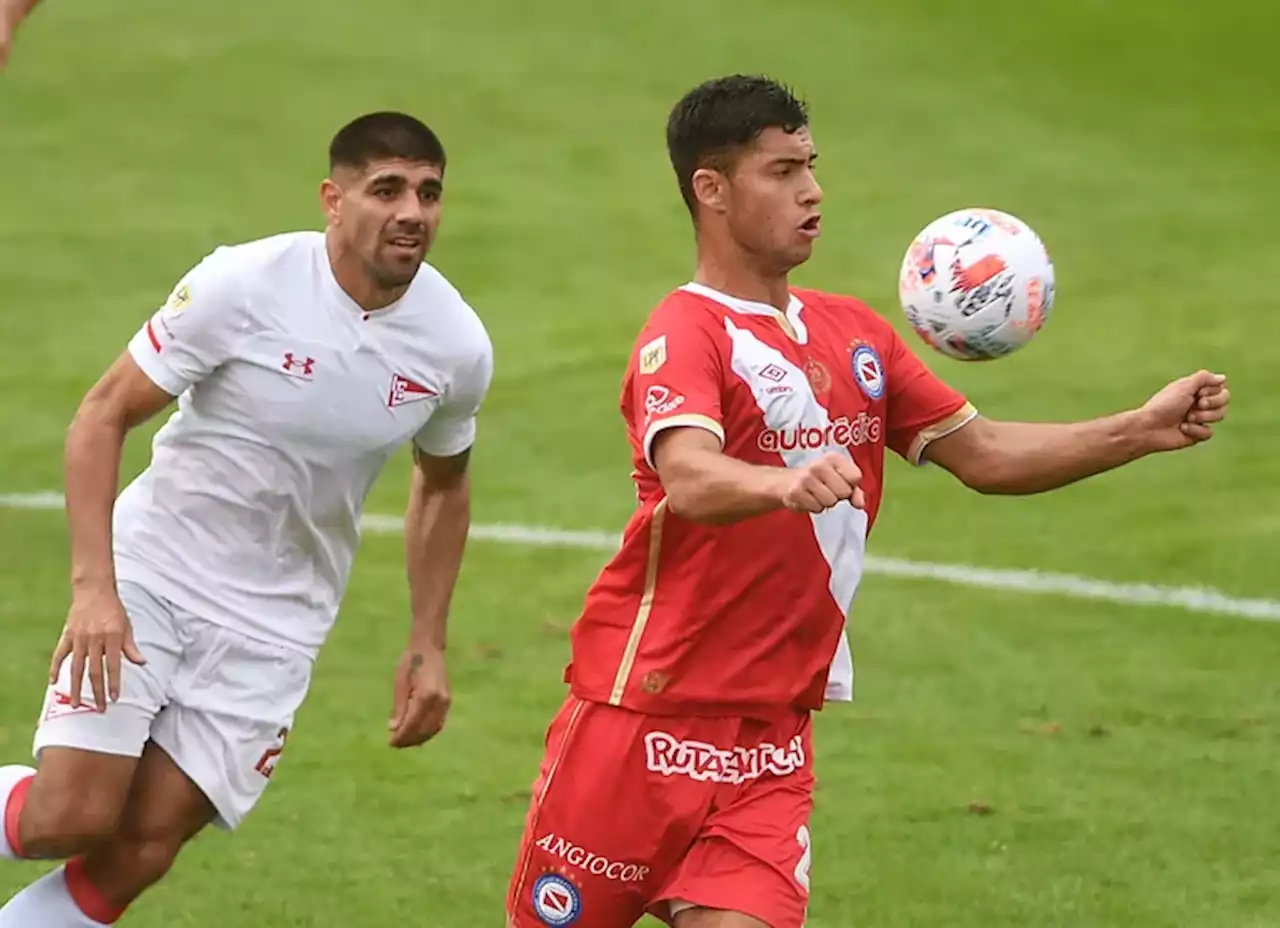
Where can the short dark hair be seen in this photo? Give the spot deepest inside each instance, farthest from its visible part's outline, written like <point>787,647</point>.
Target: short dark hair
<point>376,136</point>
<point>716,120</point>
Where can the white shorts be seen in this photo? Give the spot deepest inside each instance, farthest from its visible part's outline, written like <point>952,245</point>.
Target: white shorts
<point>220,704</point>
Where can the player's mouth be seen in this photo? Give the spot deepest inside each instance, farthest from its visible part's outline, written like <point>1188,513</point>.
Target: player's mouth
<point>407,245</point>
<point>811,228</point>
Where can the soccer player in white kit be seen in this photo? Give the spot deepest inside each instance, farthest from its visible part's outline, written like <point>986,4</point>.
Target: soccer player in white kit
<point>301,363</point>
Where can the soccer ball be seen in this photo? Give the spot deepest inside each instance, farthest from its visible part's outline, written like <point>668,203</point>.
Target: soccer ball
<point>976,284</point>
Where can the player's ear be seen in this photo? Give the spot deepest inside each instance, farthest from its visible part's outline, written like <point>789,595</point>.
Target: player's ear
<point>710,188</point>
<point>331,201</point>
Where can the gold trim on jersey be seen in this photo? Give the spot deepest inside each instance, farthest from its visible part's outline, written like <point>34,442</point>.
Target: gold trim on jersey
<point>541,798</point>
<point>646,605</point>
<point>962,416</point>
<point>686,420</point>
<point>785,322</point>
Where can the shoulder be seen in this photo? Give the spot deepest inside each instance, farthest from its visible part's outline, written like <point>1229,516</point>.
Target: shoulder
<point>680,313</point>
<point>689,308</point>
<point>264,256</point>
<point>682,327</point>
<point>235,273</point>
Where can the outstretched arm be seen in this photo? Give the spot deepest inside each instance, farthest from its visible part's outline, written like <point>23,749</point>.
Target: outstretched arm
<point>436,524</point>
<point>1021,457</point>
<point>12,13</point>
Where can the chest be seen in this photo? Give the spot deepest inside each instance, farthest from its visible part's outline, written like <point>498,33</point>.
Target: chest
<point>326,392</point>
<point>826,392</point>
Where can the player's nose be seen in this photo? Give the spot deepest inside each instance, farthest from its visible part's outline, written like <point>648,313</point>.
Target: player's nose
<point>409,214</point>
<point>410,211</point>
<point>812,194</point>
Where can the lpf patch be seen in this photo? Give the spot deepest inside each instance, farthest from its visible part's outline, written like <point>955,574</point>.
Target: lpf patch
<point>653,355</point>
<point>556,900</point>
<point>868,371</point>
<point>178,300</point>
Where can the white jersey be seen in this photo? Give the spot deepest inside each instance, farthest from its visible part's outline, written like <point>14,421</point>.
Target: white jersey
<point>291,400</point>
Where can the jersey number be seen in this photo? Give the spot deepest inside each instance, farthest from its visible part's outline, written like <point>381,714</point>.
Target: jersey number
<point>806,856</point>
<point>267,765</point>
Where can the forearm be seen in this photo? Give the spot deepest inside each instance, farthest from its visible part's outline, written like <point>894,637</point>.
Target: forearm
<point>435,534</point>
<point>92,467</point>
<point>708,486</point>
<point>15,11</point>
<point>1024,458</point>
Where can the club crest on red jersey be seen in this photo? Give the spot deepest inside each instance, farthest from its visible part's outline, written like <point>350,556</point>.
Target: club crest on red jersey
<point>556,900</point>
<point>868,371</point>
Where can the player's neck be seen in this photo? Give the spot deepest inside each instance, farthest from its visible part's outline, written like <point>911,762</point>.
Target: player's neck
<point>350,274</point>
<point>737,278</point>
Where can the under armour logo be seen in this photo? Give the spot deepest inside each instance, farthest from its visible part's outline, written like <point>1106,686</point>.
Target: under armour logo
<point>290,362</point>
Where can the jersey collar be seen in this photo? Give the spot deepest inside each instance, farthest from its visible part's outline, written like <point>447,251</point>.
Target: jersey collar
<point>790,320</point>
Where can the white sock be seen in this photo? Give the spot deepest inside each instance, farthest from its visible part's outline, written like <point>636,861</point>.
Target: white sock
<point>47,903</point>
<point>11,778</point>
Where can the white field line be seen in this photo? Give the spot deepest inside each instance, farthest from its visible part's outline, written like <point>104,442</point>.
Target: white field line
<point>1193,599</point>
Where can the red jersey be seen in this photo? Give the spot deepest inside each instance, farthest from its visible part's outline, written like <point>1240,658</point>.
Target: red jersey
<point>748,619</point>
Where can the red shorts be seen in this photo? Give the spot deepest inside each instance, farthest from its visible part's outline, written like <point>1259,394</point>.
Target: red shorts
<point>634,813</point>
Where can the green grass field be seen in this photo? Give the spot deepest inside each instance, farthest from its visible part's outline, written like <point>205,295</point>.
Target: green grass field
<point>1128,755</point>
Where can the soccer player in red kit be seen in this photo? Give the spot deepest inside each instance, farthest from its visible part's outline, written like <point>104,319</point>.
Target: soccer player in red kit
<point>678,775</point>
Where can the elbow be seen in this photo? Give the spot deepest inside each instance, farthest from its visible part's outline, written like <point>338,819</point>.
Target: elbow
<point>987,488</point>
<point>95,415</point>
<point>985,468</point>
<point>684,501</point>
<point>689,499</point>
<point>989,458</point>
<point>996,478</point>
<point>986,479</point>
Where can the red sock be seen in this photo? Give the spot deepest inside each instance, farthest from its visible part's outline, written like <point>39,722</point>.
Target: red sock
<point>88,897</point>
<point>13,811</point>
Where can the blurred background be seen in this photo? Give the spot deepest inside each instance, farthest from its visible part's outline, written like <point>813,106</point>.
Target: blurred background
<point>1013,758</point>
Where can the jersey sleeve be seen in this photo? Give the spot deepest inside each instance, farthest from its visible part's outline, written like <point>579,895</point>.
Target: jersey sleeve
<point>196,329</point>
<point>921,408</point>
<point>677,376</point>
<point>451,429</point>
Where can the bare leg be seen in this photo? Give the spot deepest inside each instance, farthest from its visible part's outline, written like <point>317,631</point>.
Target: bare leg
<point>74,802</point>
<point>715,918</point>
<point>165,809</point>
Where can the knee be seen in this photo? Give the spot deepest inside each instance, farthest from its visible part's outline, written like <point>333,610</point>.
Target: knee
<point>141,860</point>
<point>57,823</point>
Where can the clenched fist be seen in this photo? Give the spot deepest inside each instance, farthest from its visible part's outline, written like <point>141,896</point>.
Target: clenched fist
<point>1184,413</point>
<point>822,484</point>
